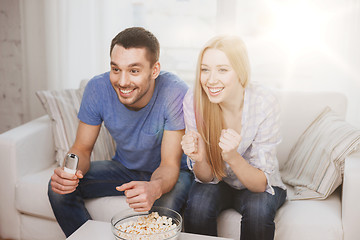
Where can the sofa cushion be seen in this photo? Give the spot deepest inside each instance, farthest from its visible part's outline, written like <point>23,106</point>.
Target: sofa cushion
<point>31,198</point>
<point>35,228</point>
<point>298,110</point>
<point>113,205</point>
<point>62,106</point>
<point>295,220</point>
<point>31,194</point>
<point>315,164</point>
<point>310,219</point>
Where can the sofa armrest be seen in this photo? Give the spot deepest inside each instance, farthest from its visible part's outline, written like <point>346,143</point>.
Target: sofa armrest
<point>29,148</point>
<point>26,149</point>
<point>351,197</point>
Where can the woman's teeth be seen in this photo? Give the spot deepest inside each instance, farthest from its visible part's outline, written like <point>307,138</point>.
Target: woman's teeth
<point>215,90</point>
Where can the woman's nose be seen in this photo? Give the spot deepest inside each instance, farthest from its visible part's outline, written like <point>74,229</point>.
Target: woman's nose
<point>212,77</point>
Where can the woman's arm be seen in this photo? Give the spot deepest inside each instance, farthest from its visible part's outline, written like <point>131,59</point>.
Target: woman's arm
<point>193,144</point>
<point>251,177</point>
<point>194,147</point>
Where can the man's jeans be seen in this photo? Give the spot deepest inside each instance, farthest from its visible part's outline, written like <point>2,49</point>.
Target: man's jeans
<point>207,201</point>
<point>101,180</point>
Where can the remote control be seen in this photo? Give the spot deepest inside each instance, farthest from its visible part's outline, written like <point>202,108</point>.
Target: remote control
<point>71,163</point>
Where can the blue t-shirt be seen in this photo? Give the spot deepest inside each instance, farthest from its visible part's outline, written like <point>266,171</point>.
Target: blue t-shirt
<point>138,134</point>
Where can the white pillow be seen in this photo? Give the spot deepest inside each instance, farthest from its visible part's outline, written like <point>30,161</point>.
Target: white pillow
<point>316,162</point>
<point>62,106</point>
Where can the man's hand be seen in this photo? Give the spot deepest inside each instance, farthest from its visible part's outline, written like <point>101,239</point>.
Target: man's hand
<point>193,146</point>
<point>229,142</point>
<point>140,195</point>
<point>63,182</point>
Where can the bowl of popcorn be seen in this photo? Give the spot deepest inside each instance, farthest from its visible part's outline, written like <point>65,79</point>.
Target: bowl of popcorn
<point>157,224</point>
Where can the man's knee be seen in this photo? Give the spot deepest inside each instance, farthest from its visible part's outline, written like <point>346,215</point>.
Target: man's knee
<point>51,194</point>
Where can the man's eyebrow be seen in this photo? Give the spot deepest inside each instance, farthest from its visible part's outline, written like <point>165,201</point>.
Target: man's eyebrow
<point>130,65</point>
<point>135,65</point>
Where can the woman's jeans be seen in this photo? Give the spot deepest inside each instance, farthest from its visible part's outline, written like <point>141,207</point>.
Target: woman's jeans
<point>100,181</point>
<point>207,201</point>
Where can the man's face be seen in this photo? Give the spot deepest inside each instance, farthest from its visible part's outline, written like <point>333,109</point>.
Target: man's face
<point>132,76</point>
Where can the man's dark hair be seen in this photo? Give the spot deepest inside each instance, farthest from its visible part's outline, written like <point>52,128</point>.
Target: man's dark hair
<point>138,37</point>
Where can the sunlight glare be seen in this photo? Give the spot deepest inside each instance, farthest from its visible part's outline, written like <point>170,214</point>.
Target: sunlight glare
<point>297,26</point>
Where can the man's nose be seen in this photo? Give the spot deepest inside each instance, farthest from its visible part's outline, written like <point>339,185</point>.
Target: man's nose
<point>124,80</point>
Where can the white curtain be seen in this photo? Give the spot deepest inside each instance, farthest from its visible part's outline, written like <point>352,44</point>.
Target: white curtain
<point>295,44</point>
<point>78,36</point>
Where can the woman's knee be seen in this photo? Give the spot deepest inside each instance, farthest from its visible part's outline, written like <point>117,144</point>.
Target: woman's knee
<point>205,201</point>
<point>259,208</point>
<point>203,195</point>
<point>204,204</point>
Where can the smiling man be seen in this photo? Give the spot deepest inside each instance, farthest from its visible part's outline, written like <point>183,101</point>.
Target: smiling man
<point>142,109</point>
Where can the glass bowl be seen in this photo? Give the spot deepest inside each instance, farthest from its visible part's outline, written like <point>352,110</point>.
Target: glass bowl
<point>125,225</point>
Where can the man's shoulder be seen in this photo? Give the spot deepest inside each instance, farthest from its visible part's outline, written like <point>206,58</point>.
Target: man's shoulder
<point>100,79</point>
<point>170,81</point>
<point>99,84</point>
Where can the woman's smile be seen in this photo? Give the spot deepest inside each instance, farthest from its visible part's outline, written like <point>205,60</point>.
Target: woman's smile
<point>214,91</point>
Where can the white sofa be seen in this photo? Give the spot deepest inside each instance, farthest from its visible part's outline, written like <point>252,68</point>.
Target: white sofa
<point>28,159</point>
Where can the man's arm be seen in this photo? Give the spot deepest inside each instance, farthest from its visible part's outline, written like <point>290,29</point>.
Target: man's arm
<point>142,195</point>
<point>166,175</point>
<point>62,182</point>
<point>84,143</point>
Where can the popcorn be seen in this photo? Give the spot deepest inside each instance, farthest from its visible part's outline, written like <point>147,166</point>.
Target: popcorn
<point>151,227</point>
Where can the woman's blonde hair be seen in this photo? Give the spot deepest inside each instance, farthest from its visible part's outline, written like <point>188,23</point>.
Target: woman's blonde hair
<point>208,115</point>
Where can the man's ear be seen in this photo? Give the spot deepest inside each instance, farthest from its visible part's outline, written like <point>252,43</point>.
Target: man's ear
<point>155,70</point>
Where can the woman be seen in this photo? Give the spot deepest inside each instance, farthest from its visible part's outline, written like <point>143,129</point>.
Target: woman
<point>232,130</point>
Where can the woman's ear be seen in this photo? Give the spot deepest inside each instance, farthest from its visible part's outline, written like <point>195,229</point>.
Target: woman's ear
<point>155,70</point>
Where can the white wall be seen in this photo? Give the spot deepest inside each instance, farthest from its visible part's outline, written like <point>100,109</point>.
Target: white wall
<point>35,69</point>
<point>11,68</point>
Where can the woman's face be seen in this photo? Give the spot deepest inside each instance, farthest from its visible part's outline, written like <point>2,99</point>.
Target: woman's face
<point>217,77</point>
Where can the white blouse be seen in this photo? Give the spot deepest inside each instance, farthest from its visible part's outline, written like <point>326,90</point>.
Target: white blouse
<point>260,134</point>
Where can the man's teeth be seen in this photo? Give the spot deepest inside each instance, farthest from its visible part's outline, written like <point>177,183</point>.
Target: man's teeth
<point>215,90</point>
<point>125,91</point>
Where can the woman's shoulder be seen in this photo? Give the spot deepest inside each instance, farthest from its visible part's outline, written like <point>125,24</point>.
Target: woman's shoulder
<point>263,97</point>
<point>261,92</point>
<point>189,95</point>
<point>188,102</point>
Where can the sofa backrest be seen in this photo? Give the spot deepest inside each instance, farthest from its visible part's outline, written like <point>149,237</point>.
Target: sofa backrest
<point>299,110</point>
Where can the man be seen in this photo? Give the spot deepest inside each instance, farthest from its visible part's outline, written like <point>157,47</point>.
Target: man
<point>142,109</point>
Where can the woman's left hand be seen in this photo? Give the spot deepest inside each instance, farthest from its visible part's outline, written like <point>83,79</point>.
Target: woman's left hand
<point>229,142</point>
